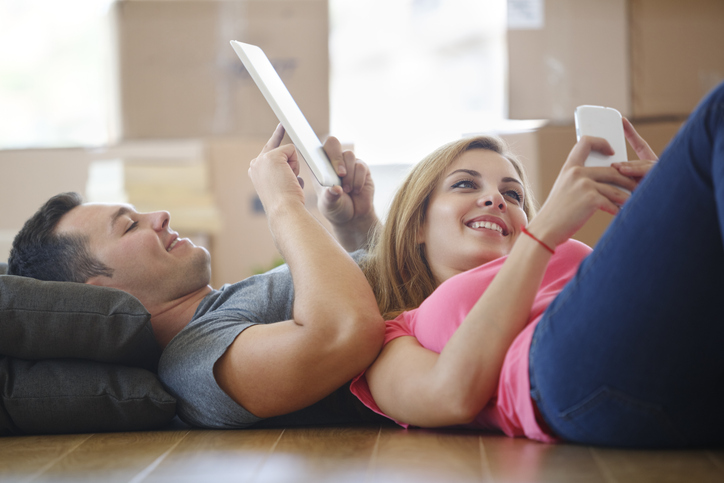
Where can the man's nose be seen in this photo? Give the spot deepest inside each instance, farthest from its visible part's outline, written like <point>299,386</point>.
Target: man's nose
<point>160,220</point>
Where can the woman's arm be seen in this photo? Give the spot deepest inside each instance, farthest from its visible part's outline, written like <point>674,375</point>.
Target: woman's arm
<point>418,386</point>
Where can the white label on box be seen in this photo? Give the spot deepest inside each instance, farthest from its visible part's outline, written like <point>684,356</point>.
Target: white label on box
<point>526,14</point>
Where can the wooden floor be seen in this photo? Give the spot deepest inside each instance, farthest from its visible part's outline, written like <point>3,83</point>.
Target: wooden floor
<point>353,454</point>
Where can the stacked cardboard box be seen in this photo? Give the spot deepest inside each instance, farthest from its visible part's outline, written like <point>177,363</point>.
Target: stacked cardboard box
<point>30,177</point>
<point>653,60</point>
<point>646,58</point>
<point>179,79</point>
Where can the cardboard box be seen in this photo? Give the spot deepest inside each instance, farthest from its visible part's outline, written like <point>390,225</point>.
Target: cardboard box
<point>30,177</point>
<point>178,76</point>
<point>543,152</point>
<point>676,54</point>
<point>244,246</point>
<point>577,54</point>
<point>156,176</point>
<point>646,58</point>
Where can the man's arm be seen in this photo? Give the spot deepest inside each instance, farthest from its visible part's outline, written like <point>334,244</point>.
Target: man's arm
<point>337,329</point>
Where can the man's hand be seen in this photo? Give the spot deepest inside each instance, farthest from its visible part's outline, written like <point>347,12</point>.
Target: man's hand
<point>275,173</point>
<point>349,208</point>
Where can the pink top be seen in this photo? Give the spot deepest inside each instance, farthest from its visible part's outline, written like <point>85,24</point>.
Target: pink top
<point>437,318</point>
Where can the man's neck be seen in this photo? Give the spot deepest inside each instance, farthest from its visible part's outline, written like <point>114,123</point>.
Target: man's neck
<point>168,320</point>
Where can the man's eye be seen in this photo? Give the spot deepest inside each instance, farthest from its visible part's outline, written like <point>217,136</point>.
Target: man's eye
<point>133,225</point>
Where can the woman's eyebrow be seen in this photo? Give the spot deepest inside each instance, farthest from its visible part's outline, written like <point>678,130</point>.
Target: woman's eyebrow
<point>476,174</point>
<point>471,172</point>
<point>511,180</point>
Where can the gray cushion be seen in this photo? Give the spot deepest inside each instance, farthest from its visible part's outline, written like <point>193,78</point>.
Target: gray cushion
<point>73,396</point>
<point>76,358</point>
<point>51,320</point>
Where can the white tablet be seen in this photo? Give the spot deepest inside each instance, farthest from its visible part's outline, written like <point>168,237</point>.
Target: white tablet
<point>287,111</point>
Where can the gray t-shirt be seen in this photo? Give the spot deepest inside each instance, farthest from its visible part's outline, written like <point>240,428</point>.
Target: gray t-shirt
<point>187,364</point>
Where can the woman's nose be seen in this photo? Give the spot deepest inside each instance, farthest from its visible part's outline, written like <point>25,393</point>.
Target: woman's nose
<point>492,199</point>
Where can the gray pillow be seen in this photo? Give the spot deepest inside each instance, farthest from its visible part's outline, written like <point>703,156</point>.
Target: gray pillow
<point>57,320</point>
<point>74,396</point>
<point>76,358</point>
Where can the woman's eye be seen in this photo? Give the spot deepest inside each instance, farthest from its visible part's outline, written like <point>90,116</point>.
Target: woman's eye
<point>466,183</point>
<point>514,195</point>
<point>133,225</point>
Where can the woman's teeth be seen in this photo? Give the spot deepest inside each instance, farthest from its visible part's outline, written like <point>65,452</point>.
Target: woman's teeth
<point>487,224</point>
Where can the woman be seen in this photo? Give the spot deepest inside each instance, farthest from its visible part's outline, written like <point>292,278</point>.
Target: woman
<point>628,353</point>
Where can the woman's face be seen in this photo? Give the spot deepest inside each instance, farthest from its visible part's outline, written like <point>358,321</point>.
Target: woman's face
<point>475,214</point>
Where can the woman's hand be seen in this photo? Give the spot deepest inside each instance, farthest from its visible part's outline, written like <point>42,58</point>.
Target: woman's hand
<point>275,172</point>
<point>636,170</point>
<point>579,192</point>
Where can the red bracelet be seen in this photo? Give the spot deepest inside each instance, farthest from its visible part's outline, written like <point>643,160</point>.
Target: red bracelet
<point>536,239</point>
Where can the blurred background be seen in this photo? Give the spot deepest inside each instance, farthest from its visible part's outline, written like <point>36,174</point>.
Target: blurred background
<point>144,101</point>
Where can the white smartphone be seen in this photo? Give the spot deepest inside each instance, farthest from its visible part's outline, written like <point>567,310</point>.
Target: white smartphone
<point>287,111</point>
<point>602,122</point>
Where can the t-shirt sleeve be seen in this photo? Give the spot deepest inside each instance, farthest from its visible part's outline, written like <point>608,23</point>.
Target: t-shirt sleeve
<point>187,363</point>
<point>393,329</point>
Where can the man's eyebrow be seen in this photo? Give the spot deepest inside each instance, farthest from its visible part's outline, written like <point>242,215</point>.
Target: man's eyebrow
<point>118,214</point>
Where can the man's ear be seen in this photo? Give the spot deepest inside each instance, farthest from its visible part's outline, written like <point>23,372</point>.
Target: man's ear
<point>100,281</point>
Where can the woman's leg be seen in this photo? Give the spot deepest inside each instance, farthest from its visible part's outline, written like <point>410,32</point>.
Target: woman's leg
<point>631,353</point>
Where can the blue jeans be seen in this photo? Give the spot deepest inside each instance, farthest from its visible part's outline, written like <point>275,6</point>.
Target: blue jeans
<point>631,352</point>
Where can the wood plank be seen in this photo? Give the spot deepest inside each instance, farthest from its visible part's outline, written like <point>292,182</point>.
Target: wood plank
<point>112,457</point>
<point>523,460</point>
<point>333,454</point>
<point>23,458</point>
<point>641,466</point>
<point>717,457</point>
<point>218,456</point>
<point>427,456</point>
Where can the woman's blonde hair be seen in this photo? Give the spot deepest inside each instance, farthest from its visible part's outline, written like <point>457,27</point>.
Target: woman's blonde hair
<point>397,268</point>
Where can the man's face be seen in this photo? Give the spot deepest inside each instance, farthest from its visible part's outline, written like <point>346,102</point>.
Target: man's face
<point>148,259</point>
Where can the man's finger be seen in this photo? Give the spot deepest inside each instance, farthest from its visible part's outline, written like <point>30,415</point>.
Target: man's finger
<point>275,140</point>
<point>333,148</point>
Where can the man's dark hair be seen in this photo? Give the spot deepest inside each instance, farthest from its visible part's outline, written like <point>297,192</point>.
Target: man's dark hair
<point>40,253</point>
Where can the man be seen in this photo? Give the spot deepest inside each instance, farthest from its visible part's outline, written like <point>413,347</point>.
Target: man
<point>256,349</point>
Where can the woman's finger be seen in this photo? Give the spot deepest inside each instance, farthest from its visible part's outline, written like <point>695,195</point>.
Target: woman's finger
<point>639,145</point>
<point>583,148</point>
<point>635,169</point>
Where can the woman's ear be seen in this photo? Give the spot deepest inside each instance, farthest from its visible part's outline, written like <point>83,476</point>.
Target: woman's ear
<point>420,237</point>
